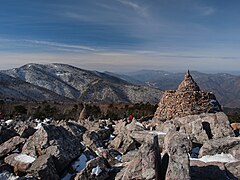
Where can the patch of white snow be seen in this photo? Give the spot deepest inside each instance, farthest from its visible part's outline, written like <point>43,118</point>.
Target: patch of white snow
<point>5,175</point>
<point>38,126</point>
<point>24,158</point>
<point>8,122</point>
<point>118,157</point>
<point>80,163</point>
<point>97,170</point>
<point>225,158</point>
<point>157,133</point>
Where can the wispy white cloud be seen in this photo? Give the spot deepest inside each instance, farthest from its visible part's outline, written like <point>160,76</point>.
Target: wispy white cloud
<point>138,8</point>
<point>206,11</point>
<point>61,45</point>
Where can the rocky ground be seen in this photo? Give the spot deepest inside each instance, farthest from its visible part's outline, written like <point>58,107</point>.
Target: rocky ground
<point>107,149</point>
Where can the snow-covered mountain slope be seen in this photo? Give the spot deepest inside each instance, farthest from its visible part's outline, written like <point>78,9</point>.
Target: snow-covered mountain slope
<point>16,89</point>
<point>79,84</point>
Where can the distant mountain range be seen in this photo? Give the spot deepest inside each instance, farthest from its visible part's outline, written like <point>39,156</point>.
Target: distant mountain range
<point>61,82</point>
<point>226,87</point>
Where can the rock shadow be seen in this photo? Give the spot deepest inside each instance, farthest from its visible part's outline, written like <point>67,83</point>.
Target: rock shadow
<point>236,132</point>
<point>164,166</point>
<point>207,128</point>
<point>210,172</point>
<point>195,150</point>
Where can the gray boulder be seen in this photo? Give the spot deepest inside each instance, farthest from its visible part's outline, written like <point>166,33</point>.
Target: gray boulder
<point>123,143</point>
<point>203,127</point>
<point>73,127</point>
<point>222,145</point>
<point>142,164</point>
<point>10,145</point>
<point>43,168</point>
<point>55,141</point>
<point>20,162</point>
<point>177,146</point>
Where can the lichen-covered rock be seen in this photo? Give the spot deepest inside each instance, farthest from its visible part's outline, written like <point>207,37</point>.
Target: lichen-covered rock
<point>188,99</point>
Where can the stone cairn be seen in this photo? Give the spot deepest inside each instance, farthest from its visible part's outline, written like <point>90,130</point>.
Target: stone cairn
<point>188,99</point>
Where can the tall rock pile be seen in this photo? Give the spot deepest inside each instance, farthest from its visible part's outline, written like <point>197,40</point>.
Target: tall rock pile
<point>188,99</point>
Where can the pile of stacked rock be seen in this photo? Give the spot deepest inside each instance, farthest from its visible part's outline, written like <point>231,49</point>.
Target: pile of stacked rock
<point>188,99</point>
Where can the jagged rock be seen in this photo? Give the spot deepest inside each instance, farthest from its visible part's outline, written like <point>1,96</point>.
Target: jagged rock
<point>141,166</point>
<point>104,134</point>
<point>55,141</point>
<point>97,168</point>
<point>43,168</point>
<point>92,140</point>
<point>90,125</point>
<point>25,131</point>
<point>212,170</point>
<point>73,127</point>
<point>168,126</point>
<point>135,126</point>
<point>10,145</point>
<point>6,134</point>
<point>120,126</point>
<point>177,146</point>
<point>20,162</point>
<point>111,155</point>
<point>123,143</point>
<point>129,156</point>
<point>147,136</point>
<point>233,170</point>
<point>188,99</point>
<point>227,145</point>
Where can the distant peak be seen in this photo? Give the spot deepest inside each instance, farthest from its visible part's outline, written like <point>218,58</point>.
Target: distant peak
<point>188,83</point>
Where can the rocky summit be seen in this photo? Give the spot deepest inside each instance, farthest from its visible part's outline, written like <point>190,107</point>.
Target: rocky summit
<point>195,142</point>
<point>188,99</point>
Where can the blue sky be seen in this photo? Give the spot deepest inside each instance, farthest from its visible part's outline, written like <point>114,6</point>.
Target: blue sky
<point>122,35</point>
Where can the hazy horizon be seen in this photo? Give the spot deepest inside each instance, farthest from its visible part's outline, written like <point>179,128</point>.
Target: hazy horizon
<point>133,71</point>
<point>122,35</point>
